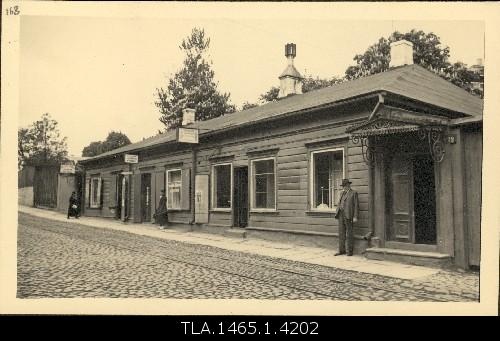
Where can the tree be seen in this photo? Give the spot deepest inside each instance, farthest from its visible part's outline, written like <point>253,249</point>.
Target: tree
<point>41,143</point>
<point>427,52</point>
<point>192,86</point>
<point>113,140</point>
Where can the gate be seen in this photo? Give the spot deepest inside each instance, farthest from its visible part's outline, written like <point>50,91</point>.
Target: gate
<point>45,186</point>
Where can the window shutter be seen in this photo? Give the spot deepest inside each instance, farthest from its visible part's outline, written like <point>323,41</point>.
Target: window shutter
<point>99,193</point>
<point>137,198</point>
<point>186,189</point>
<point>87,192</point>
<point>112,191</point>
<point>159,185</point>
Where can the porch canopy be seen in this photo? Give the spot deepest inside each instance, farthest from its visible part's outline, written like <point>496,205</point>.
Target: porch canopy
<point>390,121</point>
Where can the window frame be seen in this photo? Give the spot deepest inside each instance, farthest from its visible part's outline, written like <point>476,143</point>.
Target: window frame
<point>167,189</point>
<point>252,186</point>
<point>213,189</point>
<point>97,203</point>
<point>312,192</point>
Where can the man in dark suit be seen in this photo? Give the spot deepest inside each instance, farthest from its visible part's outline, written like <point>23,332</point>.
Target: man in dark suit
<point>347,214</point>
<point>161,214</point>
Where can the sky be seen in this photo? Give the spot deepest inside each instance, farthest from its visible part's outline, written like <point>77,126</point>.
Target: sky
<point>97,74</point>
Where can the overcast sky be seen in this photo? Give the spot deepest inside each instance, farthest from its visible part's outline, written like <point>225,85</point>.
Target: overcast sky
<point>94,75</point>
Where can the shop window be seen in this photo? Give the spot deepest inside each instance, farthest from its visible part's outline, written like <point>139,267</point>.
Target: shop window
<point>327,169</point>
<point>174,186</point>
<point>95,192</point>
<point>263,184</point>
<point>221,186</point>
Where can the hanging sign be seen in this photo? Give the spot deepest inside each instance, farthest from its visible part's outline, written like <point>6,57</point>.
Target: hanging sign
<point>131,158</point>
<point>67,168</point>
<point>187,135</point>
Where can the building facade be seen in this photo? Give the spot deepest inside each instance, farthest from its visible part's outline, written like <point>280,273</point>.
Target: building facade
<point>410,142</point>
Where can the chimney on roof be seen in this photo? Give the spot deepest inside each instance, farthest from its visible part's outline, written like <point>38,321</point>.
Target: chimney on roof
<point>188,116</point>
<point>401,53</point>
<point>290,79</point>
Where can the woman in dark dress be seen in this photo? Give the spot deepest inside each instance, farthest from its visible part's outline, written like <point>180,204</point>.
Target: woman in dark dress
<point>73,209</point>
<point>161,214</point>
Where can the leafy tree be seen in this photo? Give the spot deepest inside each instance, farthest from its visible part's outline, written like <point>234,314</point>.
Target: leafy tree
<point>113,141</point>
<point>192,86</point>
<point>427,52</point>
<point>311,83</point>
<point>248,105</point>
<point>41,143</point>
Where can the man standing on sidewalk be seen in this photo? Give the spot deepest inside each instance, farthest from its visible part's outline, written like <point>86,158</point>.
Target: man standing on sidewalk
<point>347,214</point>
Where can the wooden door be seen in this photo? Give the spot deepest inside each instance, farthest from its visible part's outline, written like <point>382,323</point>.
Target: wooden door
<point>146,197</point>
<point>201,199</point>
<point>240,200</point>
<point>401,197</point>
<point>45,186</point>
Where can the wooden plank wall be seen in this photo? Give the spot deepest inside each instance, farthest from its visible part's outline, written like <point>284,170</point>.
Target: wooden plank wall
<point>292,139</point>
<point>473,171</point>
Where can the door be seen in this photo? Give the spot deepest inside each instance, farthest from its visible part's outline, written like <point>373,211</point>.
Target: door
<point>45,186</point>
<point>240,199</point>
<point>146,197</point>
<point>201,199</point>
<point>401,227</point>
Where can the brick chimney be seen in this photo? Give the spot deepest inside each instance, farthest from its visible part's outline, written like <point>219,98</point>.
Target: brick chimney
<point>188,116</point>
<point>401,53</point>
<point>290,79</point>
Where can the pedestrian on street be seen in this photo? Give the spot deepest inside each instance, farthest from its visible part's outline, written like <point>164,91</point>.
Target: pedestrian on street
<point>161,213</point>
<point>347,214</point>
<point>74,206</point>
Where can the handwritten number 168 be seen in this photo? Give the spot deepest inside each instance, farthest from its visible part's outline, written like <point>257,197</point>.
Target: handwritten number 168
<point>12,10</point>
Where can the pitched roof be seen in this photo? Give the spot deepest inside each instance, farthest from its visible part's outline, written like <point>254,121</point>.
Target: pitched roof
<point>410,81</point>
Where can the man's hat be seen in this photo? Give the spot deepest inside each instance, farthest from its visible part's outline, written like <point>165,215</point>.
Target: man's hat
<point>345,182</point>
<point>162,191</point>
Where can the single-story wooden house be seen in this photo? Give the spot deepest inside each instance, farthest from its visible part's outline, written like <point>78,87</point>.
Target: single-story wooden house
<point>410,141</point>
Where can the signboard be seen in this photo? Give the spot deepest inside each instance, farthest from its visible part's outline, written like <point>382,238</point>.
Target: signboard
<point>67,168</point>
<point>131,158</point>
<point>126,173</point>
<point>187,135</point>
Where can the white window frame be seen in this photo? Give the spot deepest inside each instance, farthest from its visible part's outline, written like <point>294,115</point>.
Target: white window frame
<point>168,190</point>
<point>252,187</point>
<point>213,189</point>
<point>311,178</point>
<point>95,203</point>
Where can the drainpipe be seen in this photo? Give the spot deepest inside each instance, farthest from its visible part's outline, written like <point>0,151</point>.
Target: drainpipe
<point>371,174</point>
<point>193,179</point>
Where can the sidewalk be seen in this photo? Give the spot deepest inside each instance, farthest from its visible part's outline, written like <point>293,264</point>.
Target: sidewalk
<point>312,255</point>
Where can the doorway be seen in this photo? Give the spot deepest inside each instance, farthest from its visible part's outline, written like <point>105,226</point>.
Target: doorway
<point>412,199</point>
<point>146,197</point>
<point>240,200</point>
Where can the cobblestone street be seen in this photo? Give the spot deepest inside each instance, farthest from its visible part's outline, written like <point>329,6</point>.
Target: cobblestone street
<point>65,259</point>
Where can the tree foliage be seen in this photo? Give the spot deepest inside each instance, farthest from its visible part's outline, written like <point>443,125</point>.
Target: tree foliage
<point>113,140</point>
<point>41,143</point>
<point>193,85</point>
<point>427,52</point>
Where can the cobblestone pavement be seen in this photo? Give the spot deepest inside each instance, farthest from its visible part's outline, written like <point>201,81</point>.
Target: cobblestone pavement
<point>65,259</point>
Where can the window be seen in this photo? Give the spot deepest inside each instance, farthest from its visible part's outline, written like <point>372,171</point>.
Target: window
<point>221,186</point>
<point>95,192</point>
<point>327,170</point>
<point>174,185</point>
<point>263,184</point>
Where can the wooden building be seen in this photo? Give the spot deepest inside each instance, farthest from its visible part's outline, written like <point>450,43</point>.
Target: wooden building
<point>410,142</point>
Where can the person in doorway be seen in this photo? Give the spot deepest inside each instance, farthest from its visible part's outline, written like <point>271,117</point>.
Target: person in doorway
<point>347,215</point>
<point>161,213</point>
<point>74,208</point>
